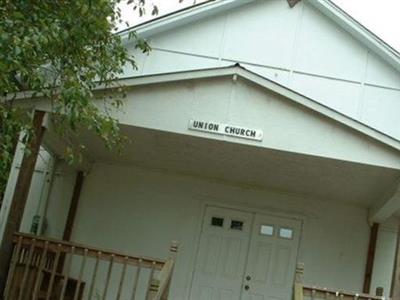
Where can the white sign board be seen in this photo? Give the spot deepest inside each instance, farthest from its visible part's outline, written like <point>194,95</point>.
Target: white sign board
<point>226,129</point>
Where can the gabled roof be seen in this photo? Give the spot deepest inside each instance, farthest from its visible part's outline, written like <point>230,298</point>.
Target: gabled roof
<point>241,72</point>
<point>212,7</point>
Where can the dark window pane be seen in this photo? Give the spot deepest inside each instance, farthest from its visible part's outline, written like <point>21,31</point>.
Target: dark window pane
<point>236,225</point>
<point>215,221</point>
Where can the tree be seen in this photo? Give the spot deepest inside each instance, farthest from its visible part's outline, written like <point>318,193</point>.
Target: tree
<point>60,50</point>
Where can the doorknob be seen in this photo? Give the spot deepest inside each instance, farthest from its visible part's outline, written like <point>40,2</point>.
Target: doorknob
<point>246,287</point>
<point>248,278</point>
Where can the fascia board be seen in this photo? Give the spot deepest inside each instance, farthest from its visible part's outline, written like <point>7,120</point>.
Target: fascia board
<point>181,18</point>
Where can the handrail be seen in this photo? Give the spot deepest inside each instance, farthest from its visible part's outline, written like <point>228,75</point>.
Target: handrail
<point>45,268</point>
<point>315,292</point>
<point>92,251</point>
<point>320,292</point>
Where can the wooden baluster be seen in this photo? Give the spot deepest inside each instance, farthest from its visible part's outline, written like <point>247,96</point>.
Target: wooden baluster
<point>26,270</point>
<point>327,294</point>
<point>40,270</point>
<point>53,272</point>
<point>151,289</point>
<point>22,256</point>
<point>96,266</point>
<point>313,293</point>
<point>66,273</point>
<point>49,260</point>
<point>136,281</point>
<point>110,266</point>
<point>14,261</point>
<point>298,282</point>
<point>122,279</point>
<point>78,284</point>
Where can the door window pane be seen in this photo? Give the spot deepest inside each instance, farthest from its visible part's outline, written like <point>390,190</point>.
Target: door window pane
<point>217,221</point>
<point>236,225</point>
<point>286,233</point>
<point>267,230</point>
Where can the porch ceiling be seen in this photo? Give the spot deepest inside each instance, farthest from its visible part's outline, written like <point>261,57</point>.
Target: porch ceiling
<point>318,177</point>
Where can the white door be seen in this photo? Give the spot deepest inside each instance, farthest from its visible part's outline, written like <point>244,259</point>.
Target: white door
<point>222,255</point>
<point>245,256</point>
<point>272,259</point>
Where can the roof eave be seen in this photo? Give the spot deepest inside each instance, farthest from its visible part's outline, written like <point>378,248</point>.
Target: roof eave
<point>182,17</point>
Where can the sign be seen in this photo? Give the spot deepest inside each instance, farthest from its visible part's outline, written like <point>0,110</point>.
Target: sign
<point>226,129</point>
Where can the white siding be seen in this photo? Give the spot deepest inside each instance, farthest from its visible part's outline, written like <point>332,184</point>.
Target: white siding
<point>299,47</point>
<point>384,256</point>
<point>37,197</point>
<point>262,33</point>
<point>324,48</point>
<point>165,61</point>
<point>49,195</point>
<point>59,200</point>
<point>140,211</point>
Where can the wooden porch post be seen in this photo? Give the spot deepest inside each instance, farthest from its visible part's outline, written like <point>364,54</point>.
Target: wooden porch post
<point>395,289</point>
<point>71,214</point>
<point>371,258</point>
<point>73,206</point>
<point>20,195</point>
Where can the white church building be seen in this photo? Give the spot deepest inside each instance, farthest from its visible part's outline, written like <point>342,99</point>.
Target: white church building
<point>265,135</point>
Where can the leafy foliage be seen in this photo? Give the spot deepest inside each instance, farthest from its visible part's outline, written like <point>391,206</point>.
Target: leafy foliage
<point>61,51</point>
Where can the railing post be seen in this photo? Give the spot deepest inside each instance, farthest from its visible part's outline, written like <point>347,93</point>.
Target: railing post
<point>298,282</point>
<point>159,287</point>
<point>173,250</point>
<point>379,291</point>
<point>173,253</point>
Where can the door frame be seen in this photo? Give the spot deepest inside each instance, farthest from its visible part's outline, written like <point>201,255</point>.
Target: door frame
<point>249,209</point>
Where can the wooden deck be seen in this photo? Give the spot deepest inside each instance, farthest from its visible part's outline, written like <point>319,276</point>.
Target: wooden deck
<point>50,269</point>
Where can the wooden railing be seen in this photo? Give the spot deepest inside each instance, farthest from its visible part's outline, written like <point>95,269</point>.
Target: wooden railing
<point>302,291</point>
<point>49,269</point>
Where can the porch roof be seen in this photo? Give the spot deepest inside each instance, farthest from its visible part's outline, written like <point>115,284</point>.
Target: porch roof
<point>308,149</point>
<point>240,71</point>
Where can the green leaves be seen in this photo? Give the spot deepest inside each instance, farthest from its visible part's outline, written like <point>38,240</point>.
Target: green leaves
<point>12,122</point>
<point>62,50</point>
